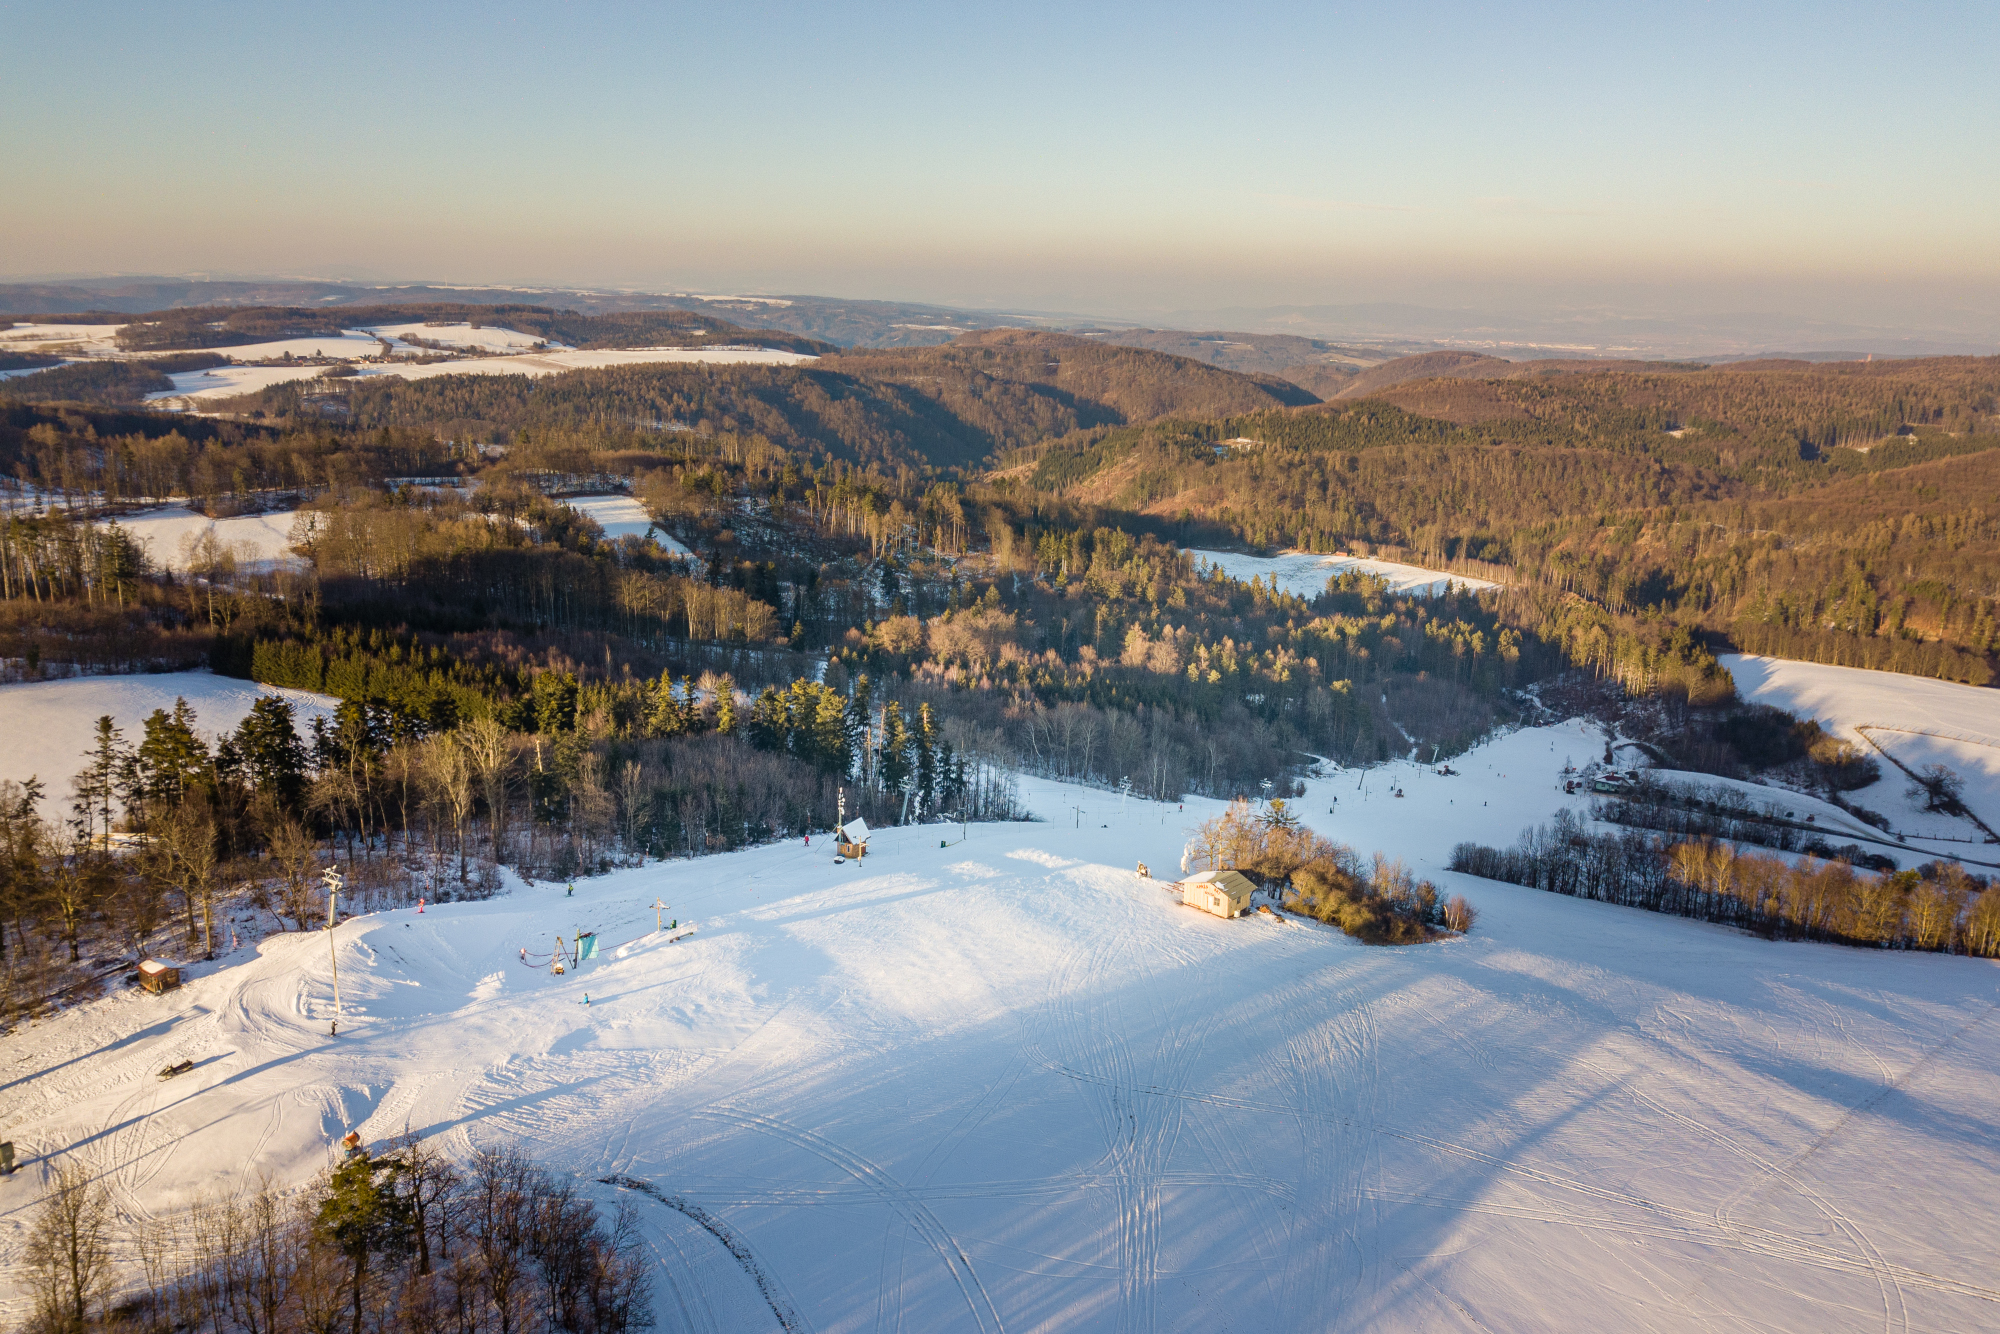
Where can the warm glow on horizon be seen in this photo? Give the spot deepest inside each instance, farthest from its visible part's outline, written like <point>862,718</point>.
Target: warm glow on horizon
<point>1689,157</point>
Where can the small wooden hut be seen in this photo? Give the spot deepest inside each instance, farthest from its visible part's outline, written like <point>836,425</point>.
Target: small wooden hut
<point>1224,893</point>
<point>158,976</point>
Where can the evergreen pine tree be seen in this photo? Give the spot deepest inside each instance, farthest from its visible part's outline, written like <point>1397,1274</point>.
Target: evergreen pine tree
<point>859,713</point>
<point>725,707</point>
<point>925,741</point>
<point>834,750</point>
<point>364,1215</point>
<point>555,696</point>
<point>766,729</point>
<point>893,761</point>
<point>664,716</point>
<point>172,758</point>
<point>270,750</point>
<point>100,782</point>
<point>801,713</point>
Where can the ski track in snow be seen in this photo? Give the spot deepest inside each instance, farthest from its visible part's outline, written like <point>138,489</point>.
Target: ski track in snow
<point>1007,1085</point>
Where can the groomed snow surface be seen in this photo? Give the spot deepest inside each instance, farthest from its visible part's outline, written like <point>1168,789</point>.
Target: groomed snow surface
<point>1007,1085</point>
<point>48,725</point>
<point>1917,720</point>
<point>1305,573</point>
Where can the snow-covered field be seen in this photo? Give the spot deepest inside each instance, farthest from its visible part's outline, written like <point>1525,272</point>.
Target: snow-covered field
<point>224,381</point>
<point>1306,573</point>
<point>1897,712</point>
<point>70,339</point>
<point>1848,697</point>
<point>1836,823</point>
<point>48,724</point>
<point>1007,1086</point>
<point>259,541</point>
<point>346,343</point>
<point>459,336</point>
<point>622,516</point>
<point>619,516</point>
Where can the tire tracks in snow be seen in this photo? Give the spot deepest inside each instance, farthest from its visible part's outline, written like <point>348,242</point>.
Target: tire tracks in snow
<point>1140,1132</point>
<point>995,1096</point>
<point>783,1308</point>
<point>1895,1310</point>
<point>892,1192</point>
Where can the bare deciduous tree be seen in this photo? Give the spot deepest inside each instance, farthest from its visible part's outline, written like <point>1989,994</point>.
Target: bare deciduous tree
<point>491,753</point>
<point>292,850</point>
<point>69,1248</point>
<point>182,853</point>
<point>448,775</point>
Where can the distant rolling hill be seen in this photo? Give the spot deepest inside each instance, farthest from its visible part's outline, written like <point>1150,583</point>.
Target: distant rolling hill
<point>831,320</point>
<point>1320,367</point>
<point>1078,382</point>
<point>952,406</point>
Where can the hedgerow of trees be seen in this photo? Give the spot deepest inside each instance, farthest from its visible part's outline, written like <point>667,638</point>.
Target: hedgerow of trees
<point>1939,907</point>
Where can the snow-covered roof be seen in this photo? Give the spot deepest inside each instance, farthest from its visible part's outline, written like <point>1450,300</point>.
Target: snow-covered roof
<point>1234,883</point>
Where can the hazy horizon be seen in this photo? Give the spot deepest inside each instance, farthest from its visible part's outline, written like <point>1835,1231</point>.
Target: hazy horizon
<point>1554,168</point>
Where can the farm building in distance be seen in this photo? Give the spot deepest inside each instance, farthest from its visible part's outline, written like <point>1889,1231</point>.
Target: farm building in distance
<point>1224,893</point>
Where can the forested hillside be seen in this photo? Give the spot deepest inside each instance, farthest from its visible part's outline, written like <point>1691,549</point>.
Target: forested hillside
<point>237,326</point>
<point>986,377</point>
<point>1726,411</point>
<point>1842,512</point>
<point>820,414</point>
<point>1315,365</point>
<point>938,408</point>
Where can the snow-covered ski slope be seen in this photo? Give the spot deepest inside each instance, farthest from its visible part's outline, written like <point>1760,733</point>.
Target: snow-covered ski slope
<point>1008,1086</point>
<point>1306,573</point>
<point>1917,720</point>
<point>48,725</point>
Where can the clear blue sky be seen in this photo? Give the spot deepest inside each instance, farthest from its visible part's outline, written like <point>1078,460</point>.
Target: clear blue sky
<point>1071,156</point>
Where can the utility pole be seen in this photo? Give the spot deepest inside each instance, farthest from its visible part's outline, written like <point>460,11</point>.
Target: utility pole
<point>333,886</point>
<point>658,908</point>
